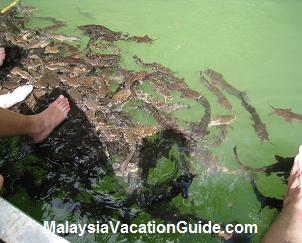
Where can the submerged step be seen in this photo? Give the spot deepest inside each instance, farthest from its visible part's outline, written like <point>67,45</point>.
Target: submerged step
<point>16,226</point>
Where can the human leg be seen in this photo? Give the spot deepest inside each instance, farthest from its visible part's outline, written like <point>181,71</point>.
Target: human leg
<point>288,224</point>
<point>39,126</point>
<point>2,56</point>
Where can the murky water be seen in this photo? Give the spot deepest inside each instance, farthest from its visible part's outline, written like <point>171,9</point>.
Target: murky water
<point>256,45</point>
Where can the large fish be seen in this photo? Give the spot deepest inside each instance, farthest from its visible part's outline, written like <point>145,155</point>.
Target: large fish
<point>287,114</point>
<point>222,100</point>
<point>217,78</point>
<point>259,126</point>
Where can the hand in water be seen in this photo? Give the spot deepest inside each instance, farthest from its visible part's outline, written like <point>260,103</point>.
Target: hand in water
<point>294,193</point>
<point>2,56</point>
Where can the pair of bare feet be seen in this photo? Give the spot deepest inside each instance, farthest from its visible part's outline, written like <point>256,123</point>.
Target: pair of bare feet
<point>42,124</point>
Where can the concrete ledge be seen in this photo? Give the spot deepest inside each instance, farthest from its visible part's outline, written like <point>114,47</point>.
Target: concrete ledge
<point>17,227</point>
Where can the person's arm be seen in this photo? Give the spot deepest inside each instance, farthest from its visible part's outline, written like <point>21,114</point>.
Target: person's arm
<point>287,227</point>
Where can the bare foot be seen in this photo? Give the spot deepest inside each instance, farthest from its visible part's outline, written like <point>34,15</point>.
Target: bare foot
<point>2,56</point>
<point>1,182</point>
<point>49,119</point>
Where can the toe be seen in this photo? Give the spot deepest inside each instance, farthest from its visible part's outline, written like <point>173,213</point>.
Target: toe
<point>64,102</point>
<point>65,106</point>
<point>59,99</point>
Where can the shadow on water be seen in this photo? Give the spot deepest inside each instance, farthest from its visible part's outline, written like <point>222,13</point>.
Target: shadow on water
<point>63,171</point>
<point>63,168</point>
<point>66,166</point>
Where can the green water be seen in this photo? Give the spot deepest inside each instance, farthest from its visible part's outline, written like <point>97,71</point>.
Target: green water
<point>255,44</point>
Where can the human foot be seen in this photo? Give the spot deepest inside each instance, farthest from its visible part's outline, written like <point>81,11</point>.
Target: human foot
<point>1,182</point>
<point>2,56</point>
<point>45,122</point>
<point>18,95</point>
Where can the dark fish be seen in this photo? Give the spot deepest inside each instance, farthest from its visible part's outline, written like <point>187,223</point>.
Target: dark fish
<point>201,128</point>
<point>54,27</point>
<point>287,114</point>
<point>266,201</point>
<point>141,39</point>
<point>170,80</point>
<point>180,186</point>
<point>222,100</point>
<point>282,167</point>
<point>259,126</point>
<point>51,19</point>
<point>250,171</point>
<point>93,30</point>
<point>137,76</point>
<point>100,32</point>
<point>218,79</point>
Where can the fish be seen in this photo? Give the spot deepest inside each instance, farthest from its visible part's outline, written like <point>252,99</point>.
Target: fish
<point>258,124</point>
<point>93,30</point>
<point>159,85</point>
<point>270,202</point>
<point>102,47</point>
<point>100,32</point>
<point>141,39</point>
<point>103,60</point>
<point>49,80</point>
<point>11,38</point>
<point>222,100</point>
<point>121,96</point>
<point>281,168</point>
<point>38,44</point>
<point>201,128</point>
<point>287,114</point>
<point>137,76</point>
<point>25,9</point>
<point>51,50</point>
<point>61,37</point>
<point>134,136</point>
<point>21,73</point>
<point>217,79</point>
<point>54,27</point>
<point>171,81</point>
<point>170,107</point>
<point>179,186</point>
<point>222,120</point>
<point>250,172</point>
